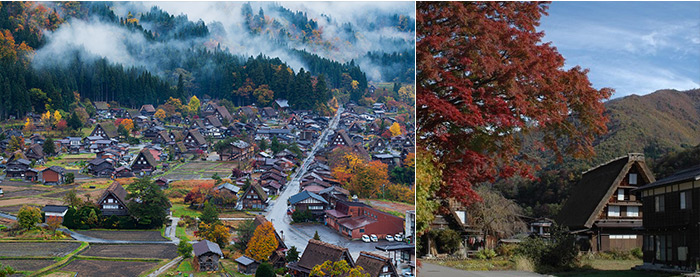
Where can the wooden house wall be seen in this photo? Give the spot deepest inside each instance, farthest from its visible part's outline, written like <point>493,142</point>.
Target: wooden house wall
<point>680,225</point>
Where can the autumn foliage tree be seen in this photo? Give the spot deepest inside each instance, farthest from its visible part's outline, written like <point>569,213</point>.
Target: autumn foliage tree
<point>336,269</point>
<point>263,242</point>
<point>160,114</point>
<point>366,179</point>
<point>395,129</point>
<point>485,80</point>
<point>215,232</point>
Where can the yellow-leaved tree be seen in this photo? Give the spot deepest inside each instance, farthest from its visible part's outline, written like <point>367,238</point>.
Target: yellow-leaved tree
<point>263,242</point>
<point>193,105</point>
<point>215,232</point>
<point>339,268</point>
<point>28,125</point>
<point>46,119</point>
<point>56,118</point>
<point>160,114</point>
<point>395,129</point>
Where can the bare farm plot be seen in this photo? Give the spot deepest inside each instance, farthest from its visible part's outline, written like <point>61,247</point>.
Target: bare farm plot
<point>11,209</point>
<point>199,170</point>
<point>33,201</point>
<point>27,265</point>
<point>108,268</point>
<point>125,235</point>
<point>37,249</point>
<point>158,251</point>
<point>24,193</point>
<point>61,194</point>
<point>390,205</point>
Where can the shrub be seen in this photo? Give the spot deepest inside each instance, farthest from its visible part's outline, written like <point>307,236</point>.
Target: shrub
<point>637,253</point>
<point>557,253</point>
<point>485,254</point>
<point>70,178</point>
<point>506,250</point>
<point>302,216</point>
<point>184,249</point>
<point>447,240</point>
<point>264,270</point>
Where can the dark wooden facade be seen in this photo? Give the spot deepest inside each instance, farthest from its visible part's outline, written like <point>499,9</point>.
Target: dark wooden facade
<point>207,255</point>
<point>602,210</point>
<point>671,213</point>
<point>113,201</point>
<point>254,197</point>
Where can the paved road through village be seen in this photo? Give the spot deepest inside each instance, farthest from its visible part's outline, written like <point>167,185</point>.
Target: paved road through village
<point>299,234</point>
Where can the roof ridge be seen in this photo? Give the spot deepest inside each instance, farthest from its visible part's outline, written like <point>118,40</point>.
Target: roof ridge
<point>322,243</point>
<point>375,256</point>
<point>631,156</point>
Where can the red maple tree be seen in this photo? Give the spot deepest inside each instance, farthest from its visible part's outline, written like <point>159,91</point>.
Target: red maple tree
<point>485,80</point>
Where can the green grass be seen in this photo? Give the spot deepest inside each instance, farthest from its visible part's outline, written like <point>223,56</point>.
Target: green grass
<point>181,234</point>
<point>181,209</point>
<point>479,265</point>
<point>185,266</point>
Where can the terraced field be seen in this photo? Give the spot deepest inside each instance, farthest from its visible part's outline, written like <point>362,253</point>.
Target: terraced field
<point>37,249</point>
<point>158,251</point>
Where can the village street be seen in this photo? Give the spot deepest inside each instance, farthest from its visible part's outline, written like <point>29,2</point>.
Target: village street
<point>299,235</point>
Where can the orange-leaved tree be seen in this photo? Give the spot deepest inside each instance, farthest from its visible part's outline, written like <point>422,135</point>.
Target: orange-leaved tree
<point>127,123</point>
<point>263,242</point>
<point>160,114</point>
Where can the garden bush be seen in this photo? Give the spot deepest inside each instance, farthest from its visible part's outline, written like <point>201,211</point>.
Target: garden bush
<point>557,253</point>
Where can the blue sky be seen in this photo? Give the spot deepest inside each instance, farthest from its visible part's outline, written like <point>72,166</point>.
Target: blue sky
<point>633,47</point>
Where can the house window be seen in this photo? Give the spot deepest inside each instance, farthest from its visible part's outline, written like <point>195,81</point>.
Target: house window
<point>623,236</point>
<point>362,230</point>
<point>315,207</point>
<point>620,194</point>
<point>385,269</point>
<point>648,243</point>
<point>462,215</point>
<point>633,179</point>
<point>659,205</point>
<point>613,211</point>
<point>632,211</point>
<point>686,197</point>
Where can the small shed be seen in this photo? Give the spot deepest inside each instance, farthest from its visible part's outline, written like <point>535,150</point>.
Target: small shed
<point>53,211</point>
<point>247,265</point>
<point>207,255</point>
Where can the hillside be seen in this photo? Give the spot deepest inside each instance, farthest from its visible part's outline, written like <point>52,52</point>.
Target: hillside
<point>53,55</point>
<point>664,125</point>
<point>657,123</point>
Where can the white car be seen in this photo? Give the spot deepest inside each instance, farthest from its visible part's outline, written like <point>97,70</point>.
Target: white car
<point>374,238</point>
<point>398,237</point>
<point>389,238</point>
<point>365,238</point>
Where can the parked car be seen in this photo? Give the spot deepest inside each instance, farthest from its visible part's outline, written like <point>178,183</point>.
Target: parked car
<point>398,237</point>
<point>407,274</point>
<point>389,238</point>
<point>374,238</point>
<point>365,238</point>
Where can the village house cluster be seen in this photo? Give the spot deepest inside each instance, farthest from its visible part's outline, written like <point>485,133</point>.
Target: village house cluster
<point>157,144</point>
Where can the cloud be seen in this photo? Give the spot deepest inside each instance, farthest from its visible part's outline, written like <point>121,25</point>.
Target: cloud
<point>626,46</point>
